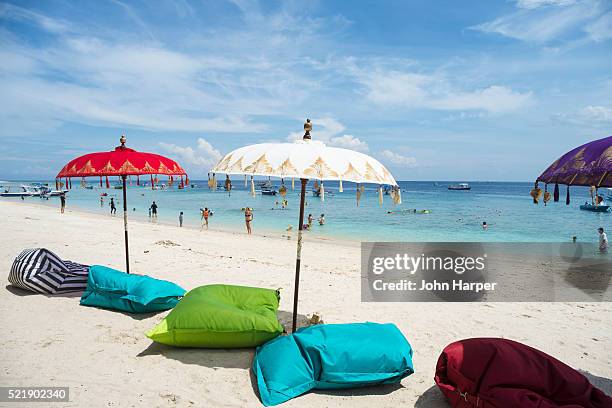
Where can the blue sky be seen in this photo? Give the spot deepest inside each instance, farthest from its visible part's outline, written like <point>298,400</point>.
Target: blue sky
<point>479,90</point>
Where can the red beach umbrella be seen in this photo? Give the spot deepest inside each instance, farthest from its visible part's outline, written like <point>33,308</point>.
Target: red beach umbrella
<point>121,162</point>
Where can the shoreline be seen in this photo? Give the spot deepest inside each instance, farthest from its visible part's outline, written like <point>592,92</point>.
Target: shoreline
<point>306,236</point>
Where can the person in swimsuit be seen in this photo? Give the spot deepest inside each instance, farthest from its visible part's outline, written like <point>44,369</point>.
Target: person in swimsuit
<point>181,219</point>
<point>205,215</point>
<point>603,241</point>
<point>62,202</point>
<point>112,206</point>
<point>154,210</point>
<point>310,220</point>
<point>322,219</point>
<point>248,217</point>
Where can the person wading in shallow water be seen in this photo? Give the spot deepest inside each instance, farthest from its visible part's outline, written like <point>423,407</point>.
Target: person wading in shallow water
<point>205,215</point>
<point>181,219</point>
<point>603,241</point>
<point>248,218</point>
<point>112,206</point>
<point>62,202</point>
<point>154,210</point>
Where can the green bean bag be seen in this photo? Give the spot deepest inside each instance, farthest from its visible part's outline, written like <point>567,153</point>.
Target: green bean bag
<point>221,316</point>
<point>112,289</point>
<point>331,356</point>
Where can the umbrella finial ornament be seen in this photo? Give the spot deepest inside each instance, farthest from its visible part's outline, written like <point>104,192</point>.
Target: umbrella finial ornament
<point>307,129</point>
<point>122,140</point>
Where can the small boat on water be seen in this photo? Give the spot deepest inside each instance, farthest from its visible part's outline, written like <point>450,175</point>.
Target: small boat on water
<point>23,191</point>
<point>54,193</point>
<point>460,186</point>
<point>268,191</point>
<point>594,208</point>
<point>264,184</point>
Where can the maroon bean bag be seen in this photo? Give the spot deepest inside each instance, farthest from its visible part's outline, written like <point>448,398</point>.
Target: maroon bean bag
<point>488,372</point>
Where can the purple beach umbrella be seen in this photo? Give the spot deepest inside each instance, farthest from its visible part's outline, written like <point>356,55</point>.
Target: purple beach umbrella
<point>586,165</point>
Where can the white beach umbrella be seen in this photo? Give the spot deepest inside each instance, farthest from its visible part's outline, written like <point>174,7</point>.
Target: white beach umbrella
<point>305,159</point>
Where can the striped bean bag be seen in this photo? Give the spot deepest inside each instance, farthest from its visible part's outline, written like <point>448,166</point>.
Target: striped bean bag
<point>40,270</point>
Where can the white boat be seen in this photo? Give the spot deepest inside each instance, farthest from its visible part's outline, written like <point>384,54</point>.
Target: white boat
<point>23,191</point>
<point>55,193</point>
<point>460,186</point>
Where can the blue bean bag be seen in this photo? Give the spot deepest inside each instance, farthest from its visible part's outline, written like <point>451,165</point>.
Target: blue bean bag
<point>112,289</point>
<point>331,356</point>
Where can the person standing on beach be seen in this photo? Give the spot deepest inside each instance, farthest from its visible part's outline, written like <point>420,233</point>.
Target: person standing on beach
<point>181,219</point>
<point>205,215</point>
<point>603,241</point>
<point>62,202</point>
<point>153,209</point>
<point>248,218</point>
<point>112,206</point>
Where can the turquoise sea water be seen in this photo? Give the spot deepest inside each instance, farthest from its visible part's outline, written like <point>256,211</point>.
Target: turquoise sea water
<point>454,215</point>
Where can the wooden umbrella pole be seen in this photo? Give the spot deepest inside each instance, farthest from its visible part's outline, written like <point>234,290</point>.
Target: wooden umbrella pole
<point>299,255</point>
<point>125,230</point>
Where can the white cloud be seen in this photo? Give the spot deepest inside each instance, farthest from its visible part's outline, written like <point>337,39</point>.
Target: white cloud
<point>545,21</point>
<point>89,77</point>
<point>349,142</point>
<point>397,159</point>
<point>433,91</point>
<point>597,113</point>
<point>198,160</point>
<point>533,4</point>
<point>52,25</point>
<point>595,116</point>
<point>601,29</point>
<point>492,99</point>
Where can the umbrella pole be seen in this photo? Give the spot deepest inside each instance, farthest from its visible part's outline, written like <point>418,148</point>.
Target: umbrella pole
<point>299,254</point>
<point>127,251</point>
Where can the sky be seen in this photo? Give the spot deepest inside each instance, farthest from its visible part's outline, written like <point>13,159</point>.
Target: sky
<point>435,90</point>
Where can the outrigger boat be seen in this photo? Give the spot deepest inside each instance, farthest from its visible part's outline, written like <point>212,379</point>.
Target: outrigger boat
<point>594,208</point>
<point>25,191</point>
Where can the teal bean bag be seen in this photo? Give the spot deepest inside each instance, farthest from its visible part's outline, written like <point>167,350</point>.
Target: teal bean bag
<point>112,289</point>
<point>331,356</point>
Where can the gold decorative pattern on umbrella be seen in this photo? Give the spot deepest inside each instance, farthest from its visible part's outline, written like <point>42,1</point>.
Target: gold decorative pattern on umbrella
<point>319,169</point>
<point>352,173</point>
<point>387,176</point>
<point>371,174</point>
<point>127,167</point>
<point>162,169</point>
<point>222,166</point>
<point>287,169</point>
<point>147,168</point>
<point>236,167</point>
<point>605,160</point>
<point>108,168</point>
<point>87,168</point>
<point>260,165</point>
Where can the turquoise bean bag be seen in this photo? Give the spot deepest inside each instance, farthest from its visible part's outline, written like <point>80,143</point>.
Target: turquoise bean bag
<point>112,289</point>
<point>331,356</point>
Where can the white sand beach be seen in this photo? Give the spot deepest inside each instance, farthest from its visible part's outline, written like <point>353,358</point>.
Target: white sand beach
<point>106,360</point>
